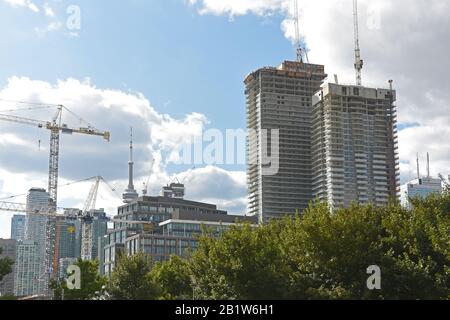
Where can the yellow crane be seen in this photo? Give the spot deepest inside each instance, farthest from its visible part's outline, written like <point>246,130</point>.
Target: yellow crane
<point>56,127</point>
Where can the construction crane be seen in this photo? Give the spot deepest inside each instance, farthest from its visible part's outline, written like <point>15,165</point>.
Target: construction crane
<point>359,63</point>
<point>146,183</point>
<point>52,216</point>
<point>84,216</point>
<point>301,51</point>
<point>86,221</point>
<point>22,208</point>
<point>55,126</point>
<point>87,218</point>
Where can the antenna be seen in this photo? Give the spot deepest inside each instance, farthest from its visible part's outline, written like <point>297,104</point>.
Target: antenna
<point>297,33</point>
<point>418,167</point>
<point>358,61</point>
<point>130,193</point>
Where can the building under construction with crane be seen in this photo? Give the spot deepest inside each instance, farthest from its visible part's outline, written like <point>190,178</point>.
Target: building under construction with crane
<point>45,226</point>
<point>337,142</point>
<point>355,141</point>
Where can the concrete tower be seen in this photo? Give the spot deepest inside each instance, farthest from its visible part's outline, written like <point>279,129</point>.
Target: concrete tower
<point>355,145</point>
<point>281,98</point>
<point>130,193</point>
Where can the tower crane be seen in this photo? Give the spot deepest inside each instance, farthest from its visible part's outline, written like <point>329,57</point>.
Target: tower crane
<point>359,63</point>
<point>146,183</point>
<point>300,50</point>
<point>56,127</point>
<point>22,208</point>
<point>86,217</point>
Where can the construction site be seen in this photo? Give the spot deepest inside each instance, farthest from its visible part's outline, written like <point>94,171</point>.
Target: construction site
<point>47,224</point>
<point>338,144</point>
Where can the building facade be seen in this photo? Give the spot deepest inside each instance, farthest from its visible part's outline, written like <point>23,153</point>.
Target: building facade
<point>37,199</point>
<point>27,279</point>
<point>37,231</point>
<point>8,248</point>
<point>355,148</point>
<point>161,227</point>
<point>18,223</point>
<point>280,99</point>
<point>420,188</point>
<point>98,229</point>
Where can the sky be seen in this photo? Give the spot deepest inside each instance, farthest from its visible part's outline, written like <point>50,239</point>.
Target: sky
<point>174,68</point>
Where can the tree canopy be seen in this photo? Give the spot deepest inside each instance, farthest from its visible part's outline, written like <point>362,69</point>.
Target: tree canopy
<point>132,279</point>
<point>325,255</point>
<point>92,284</point>
<point>320,254</point>
<point>5,266</point>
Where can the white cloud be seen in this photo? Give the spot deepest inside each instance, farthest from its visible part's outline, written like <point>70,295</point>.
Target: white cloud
<point>52,26</point>
<point>23,3</point>
<point>240,7</point>
<point>48,10</point>
<point>404,40</point>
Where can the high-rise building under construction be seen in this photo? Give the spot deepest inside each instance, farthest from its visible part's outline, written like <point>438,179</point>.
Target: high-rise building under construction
<point>354,139</point>
<point>281,98</point>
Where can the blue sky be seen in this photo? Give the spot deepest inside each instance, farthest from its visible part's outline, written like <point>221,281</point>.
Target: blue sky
<point>182,61</point>
<point>171,68</point>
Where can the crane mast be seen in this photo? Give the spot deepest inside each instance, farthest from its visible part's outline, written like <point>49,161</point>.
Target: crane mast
<point>53,167</point>
<point>359,63</point>
<point>86,220</point>
<point>297,33</point>
<point>55,127</point>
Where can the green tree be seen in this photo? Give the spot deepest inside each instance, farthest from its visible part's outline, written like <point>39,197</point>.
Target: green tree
<point>132,279</point>
<point>92,284</point>
<point>325,255</point>
<point>418,242</point>
<point>5,266</point>
<point>244,263</point>
<point>173,278</point>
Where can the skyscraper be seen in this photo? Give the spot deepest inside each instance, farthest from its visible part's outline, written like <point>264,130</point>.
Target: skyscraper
<point>355,152</point>
<point>18,222</point>
<point>37,233</point>
<point>37,199</point>
<point>281,98</point>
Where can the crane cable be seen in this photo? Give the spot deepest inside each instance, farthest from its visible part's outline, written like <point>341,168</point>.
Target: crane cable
<point>26,109</point>
<point>60,186</point>
<point>44,106</point>
<point>30,103</point>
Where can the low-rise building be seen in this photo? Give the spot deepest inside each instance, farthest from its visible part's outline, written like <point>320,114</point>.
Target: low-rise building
<point>163,226</point>
<point>419,188</point>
